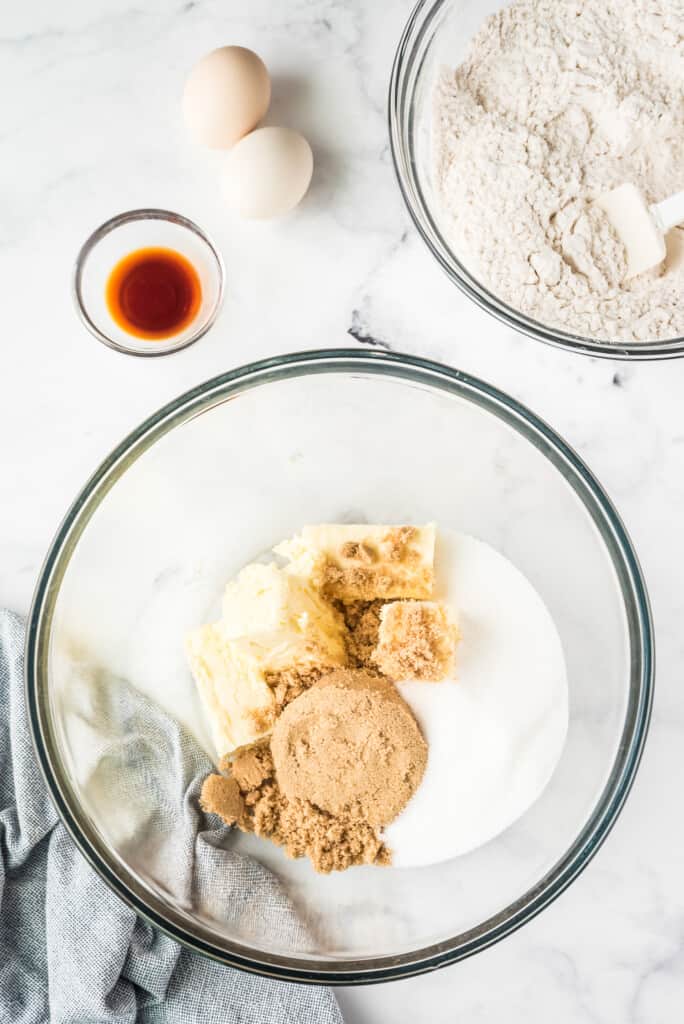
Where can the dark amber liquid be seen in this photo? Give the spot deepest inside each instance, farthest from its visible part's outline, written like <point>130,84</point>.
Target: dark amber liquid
<point>154,293</point>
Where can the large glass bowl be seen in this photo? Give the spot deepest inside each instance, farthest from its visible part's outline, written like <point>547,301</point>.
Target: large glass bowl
<point>213,480</point>
<point>438,33</point>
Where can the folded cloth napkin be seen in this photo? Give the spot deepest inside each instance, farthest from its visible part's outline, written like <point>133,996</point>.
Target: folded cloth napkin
<point>71,952</point>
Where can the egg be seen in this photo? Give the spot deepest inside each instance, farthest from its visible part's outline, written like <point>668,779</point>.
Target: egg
<point>267,173</point>
<point>226,95</point>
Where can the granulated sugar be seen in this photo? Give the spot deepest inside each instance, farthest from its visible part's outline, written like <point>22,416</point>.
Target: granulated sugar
<point>496,729</point>
<point>557,102</point>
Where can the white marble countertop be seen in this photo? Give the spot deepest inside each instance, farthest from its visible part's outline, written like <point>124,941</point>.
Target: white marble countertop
<point>90,126</point>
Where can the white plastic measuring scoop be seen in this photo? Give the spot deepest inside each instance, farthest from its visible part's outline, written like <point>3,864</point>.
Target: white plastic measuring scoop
<point>641,228</point>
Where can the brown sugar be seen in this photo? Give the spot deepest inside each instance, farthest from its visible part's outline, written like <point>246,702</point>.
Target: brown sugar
<point>344,759</point>
<point>252,767</point>
<point>289,683</point>
<point>222,796</point>
<point>363,625</point>
<point>351,746</point>
<point>416,640</point>
<point>252,800</point>
<point>332,843</point>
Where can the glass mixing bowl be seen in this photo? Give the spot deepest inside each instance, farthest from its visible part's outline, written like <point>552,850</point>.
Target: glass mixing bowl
<point>438,33</point>
<point>214,479</point>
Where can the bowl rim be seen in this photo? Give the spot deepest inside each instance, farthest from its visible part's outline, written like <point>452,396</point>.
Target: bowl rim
<point>400,121</point>
<point>406,369</point>
<point>167,346</point>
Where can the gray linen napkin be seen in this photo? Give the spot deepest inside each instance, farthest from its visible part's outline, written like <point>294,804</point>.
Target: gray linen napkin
<point>71,952</point>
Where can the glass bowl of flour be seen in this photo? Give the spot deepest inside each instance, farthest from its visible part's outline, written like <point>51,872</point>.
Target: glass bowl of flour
<point>210,483</point>
<point>507,122</point>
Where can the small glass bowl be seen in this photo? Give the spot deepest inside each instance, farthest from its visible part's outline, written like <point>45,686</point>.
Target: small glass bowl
<point>139,229</point>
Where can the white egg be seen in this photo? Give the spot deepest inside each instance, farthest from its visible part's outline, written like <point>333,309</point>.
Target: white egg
<point>267,173</point>
<point>226,95</point>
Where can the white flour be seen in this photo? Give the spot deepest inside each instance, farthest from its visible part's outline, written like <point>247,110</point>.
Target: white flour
<point>557,102</point>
